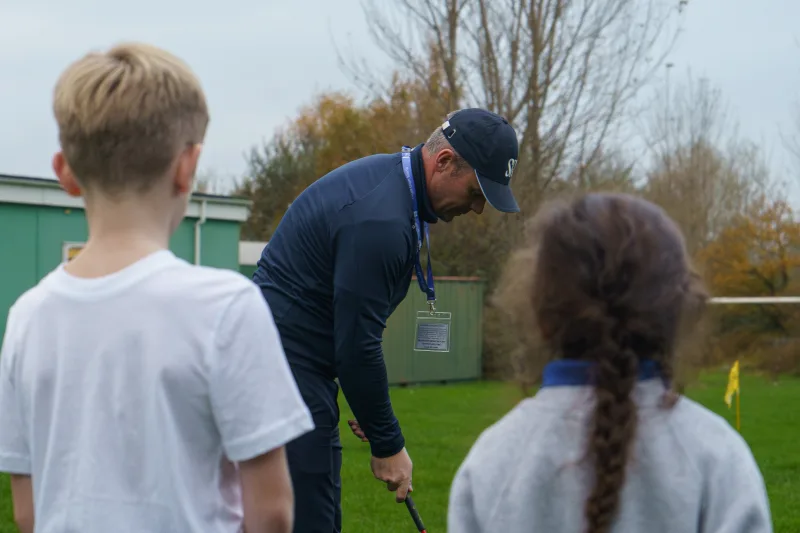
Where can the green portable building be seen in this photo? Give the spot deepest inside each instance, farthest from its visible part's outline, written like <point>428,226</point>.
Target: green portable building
<point>463,298</point>
<point>41,226</point>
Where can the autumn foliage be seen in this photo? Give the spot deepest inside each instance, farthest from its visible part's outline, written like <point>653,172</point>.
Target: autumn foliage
<point>332,130</point>
<point>744,236</point>
<point>758,254</point>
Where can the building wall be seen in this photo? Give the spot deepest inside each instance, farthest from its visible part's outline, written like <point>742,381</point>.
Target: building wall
<point>463,297</point>
<point>248,270</point>
<point>32,237</point>
<point>219,243</point>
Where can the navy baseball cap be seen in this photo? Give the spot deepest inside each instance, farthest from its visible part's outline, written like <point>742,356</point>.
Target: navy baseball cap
<point>489,144</point>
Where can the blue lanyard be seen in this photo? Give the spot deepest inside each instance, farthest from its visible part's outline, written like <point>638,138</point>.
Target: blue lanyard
<point>573,372</point>
<point>419,226</point>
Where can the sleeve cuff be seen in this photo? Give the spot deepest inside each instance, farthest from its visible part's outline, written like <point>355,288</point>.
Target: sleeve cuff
<point>259,443</point>
<point>387,448</point>
<point>15,464</point>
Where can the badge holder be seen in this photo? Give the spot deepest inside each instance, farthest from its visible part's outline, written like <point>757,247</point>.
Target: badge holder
<point>432,331</point>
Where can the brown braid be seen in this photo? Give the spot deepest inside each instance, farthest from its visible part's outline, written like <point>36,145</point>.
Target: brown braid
<point>610,284</point>
<point>612,431</point>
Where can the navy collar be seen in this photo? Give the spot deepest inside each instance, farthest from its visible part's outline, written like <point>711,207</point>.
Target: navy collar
<point>574,372</point>
<point>418,169</point>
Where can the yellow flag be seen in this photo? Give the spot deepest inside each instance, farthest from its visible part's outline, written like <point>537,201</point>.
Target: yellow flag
<point>733,383</point>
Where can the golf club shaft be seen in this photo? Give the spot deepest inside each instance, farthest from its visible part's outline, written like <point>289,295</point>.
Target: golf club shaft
<point>414,514</point>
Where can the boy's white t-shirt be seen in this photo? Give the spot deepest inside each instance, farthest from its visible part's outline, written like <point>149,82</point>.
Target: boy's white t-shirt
<point>129,398</point>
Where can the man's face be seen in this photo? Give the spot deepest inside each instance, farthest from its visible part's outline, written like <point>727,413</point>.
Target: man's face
<point>454,192</point>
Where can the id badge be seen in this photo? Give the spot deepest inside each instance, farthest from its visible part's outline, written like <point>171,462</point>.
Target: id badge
<point>432,332</point>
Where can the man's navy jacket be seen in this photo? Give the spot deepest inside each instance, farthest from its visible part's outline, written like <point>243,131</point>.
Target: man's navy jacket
<point>339,263</point>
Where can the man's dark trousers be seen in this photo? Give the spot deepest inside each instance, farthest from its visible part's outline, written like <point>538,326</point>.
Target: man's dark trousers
<point>315,459</point>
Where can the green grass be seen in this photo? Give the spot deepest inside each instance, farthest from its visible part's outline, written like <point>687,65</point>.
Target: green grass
<point>771,425</point>
<point>442,422</point>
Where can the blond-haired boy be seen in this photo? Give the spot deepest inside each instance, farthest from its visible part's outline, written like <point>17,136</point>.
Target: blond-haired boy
<point>139,392</point>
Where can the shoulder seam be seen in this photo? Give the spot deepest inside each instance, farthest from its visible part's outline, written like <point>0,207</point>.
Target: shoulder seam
<point>225,309</point>
<point>371,191</point>
<point>233,297</point>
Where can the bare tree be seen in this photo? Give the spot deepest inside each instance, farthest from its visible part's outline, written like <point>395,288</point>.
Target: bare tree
<point>563,72</point>
<point>702,171</point>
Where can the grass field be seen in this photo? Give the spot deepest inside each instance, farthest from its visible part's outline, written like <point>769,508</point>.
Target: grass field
<point>442,422</point>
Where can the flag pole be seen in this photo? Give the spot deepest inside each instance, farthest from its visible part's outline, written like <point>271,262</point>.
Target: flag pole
<point>738,412</point>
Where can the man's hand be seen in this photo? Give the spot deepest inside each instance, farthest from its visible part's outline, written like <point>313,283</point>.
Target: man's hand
<point>357,431</point>
<point>395,471</point>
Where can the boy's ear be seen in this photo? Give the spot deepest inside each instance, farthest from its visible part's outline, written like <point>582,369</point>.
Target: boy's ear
<point>186,168</point>
<point>65,176</point>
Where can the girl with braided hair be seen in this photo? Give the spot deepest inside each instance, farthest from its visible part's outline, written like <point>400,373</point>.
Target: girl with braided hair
<point>607,445</point>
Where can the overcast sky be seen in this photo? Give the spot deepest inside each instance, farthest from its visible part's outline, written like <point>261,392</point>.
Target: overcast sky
<point>261,60</point>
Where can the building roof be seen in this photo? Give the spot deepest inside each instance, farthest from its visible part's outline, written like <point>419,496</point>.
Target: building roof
<point>48,192</point>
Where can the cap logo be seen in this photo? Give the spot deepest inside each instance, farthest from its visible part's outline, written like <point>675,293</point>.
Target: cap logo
<point>511,164</point>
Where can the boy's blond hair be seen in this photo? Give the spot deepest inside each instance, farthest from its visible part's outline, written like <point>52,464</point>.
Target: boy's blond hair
<point>123,116</point>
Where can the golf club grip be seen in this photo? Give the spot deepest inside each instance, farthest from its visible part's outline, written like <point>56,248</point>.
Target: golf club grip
<point>414,514</point>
